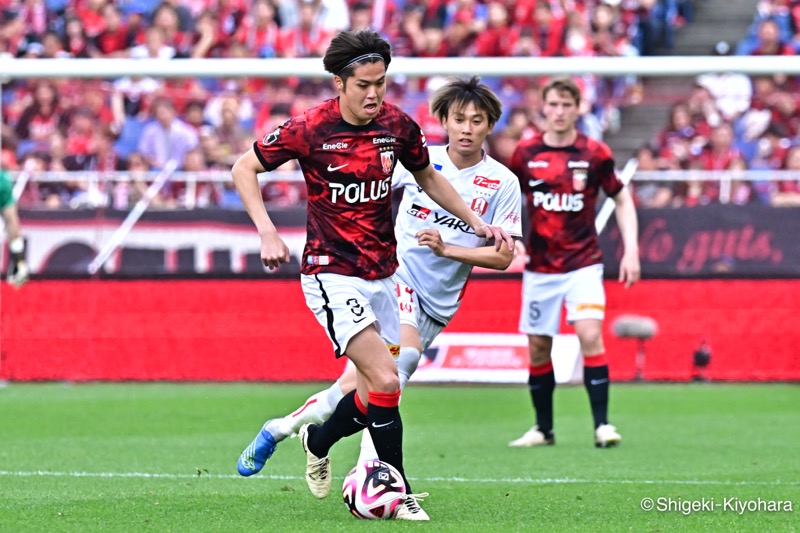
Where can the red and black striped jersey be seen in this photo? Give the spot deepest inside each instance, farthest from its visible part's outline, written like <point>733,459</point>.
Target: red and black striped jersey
<point>561,186</point>
<point>348,173</point>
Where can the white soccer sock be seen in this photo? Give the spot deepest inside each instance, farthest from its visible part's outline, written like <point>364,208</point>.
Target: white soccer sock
<point>407,363</point>
<point>16,246</point>
<point>368,450</point>
<point>316,410</point>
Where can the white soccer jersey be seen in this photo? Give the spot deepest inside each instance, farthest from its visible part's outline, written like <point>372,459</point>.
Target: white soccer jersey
<point>489,188</point>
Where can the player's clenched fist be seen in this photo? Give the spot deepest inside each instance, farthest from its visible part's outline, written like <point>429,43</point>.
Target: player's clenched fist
<point>432,239</point>
<point>273,250</point>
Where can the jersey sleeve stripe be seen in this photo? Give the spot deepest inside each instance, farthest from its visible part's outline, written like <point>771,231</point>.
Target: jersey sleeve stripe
<point>268,167</point>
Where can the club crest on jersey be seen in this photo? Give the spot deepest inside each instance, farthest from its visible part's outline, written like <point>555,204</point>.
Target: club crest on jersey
<point>579,177</point>
<point>419,211</point>
<point>479,206</point>
<point>387,161</point>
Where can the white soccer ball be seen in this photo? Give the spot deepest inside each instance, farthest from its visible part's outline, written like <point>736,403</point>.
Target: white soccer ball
<point>374,490</point>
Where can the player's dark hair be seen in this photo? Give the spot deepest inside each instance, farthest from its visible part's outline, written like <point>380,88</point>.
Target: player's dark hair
<point>459,93</point>
<point>350,49</point>
<point>563,85</point>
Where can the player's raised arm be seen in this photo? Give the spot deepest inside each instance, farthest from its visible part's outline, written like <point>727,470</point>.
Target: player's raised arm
<point>442,192</point>
<point>245,176</point>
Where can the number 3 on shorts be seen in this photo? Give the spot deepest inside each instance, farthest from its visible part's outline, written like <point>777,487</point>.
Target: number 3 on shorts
<point>356,308</point>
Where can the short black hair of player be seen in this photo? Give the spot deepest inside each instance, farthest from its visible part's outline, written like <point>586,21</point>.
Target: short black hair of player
<point>352,48</point>
<point>457,93</point>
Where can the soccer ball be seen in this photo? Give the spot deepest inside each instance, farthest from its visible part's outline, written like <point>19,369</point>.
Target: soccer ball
<point>373,490</point>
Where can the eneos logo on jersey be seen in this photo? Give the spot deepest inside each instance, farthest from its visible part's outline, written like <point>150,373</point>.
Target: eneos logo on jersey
<point>419,211</point>
<point>482,181</point>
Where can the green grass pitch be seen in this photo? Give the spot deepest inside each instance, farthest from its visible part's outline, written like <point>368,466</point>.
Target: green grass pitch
<point>162,457</point>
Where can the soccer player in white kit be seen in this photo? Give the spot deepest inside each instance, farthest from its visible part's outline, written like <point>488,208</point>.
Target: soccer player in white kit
<point>436,251</point>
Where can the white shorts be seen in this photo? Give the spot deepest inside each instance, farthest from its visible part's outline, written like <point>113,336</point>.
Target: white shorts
<point>346,305</point>
<point>412,314</point>
<point>543,295</point>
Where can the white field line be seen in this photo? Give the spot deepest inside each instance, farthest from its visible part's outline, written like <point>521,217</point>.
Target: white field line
<point>519,480</point>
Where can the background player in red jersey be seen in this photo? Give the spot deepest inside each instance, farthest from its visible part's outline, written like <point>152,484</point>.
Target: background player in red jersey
<point>561,173</point>
<point>347,149</point>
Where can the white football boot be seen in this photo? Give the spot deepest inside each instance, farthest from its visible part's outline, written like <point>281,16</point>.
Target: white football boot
<point>411,510</point>
<point>606,436</point>
<point>318,470</point>
<point>533,437</point>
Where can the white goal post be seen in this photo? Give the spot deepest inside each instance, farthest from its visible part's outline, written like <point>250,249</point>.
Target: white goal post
<point>661,66</point>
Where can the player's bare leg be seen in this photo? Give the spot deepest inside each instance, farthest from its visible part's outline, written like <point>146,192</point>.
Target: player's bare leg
<point>596,380</point>
<point>407,363</point>
<point>378,388</point>
<point>541,385</point>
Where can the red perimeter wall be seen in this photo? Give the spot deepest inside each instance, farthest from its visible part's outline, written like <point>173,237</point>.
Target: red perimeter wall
<point>262,330</point>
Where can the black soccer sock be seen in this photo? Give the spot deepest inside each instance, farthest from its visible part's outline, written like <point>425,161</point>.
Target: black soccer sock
<point>541,384</point>
<point>595,378</point>
<point>346,420</point>
<point>386,429</point>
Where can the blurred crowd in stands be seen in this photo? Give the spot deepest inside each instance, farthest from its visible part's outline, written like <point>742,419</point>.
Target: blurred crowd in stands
<point>137,124</point>
<point>734,122</point>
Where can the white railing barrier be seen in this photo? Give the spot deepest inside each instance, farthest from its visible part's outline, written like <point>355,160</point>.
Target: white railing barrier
<point>137,211</point>
<point>103,181</point>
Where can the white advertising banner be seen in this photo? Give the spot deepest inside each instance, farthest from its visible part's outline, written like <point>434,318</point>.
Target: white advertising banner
<point>495,358</point>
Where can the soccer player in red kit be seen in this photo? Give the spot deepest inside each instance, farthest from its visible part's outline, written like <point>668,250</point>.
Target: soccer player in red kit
<point>561,173</point>
<point>347,148</point>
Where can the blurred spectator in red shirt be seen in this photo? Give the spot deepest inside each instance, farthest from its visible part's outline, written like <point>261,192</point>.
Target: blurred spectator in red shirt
<point>40,120</point>
<point>80,131</point>
<point>547,30</point>
<point>13,32</point>
<point>309,38</point>
<point>720,154</point>
<point>259,31</point>
<point>76,41</point>
<point>115,39</point>
<point>208,41</point>
<point>787,192</point>
<point>459,36</point>
<point>406,34</point>
<point>498,39</point>
<point>90,14</point>
<point>167,19</point>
